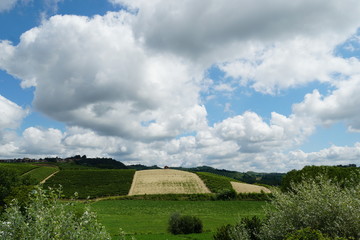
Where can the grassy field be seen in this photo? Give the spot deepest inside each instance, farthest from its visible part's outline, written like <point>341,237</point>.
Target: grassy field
<point>146,219</point>
<point>93,183</point>
<point>41,173</point>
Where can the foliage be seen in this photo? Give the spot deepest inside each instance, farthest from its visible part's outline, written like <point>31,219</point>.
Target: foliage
<point>321,204</point>
<point>346,176</point>
<point>273,179</point>
<point>184,224</point>
<point>46,218</point>
<point>306,234</point>
<point>226,194</point>
<point>254,196</point>
<point>248,228</point>
<point>139,167</point>
<point>215,183</point>
<point>224,232</point>
<point>93,183</point>
<point>107,163</point>
<point>252,226</point>
<point>10,182</point>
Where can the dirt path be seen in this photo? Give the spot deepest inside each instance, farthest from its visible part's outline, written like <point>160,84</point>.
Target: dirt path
<point>43,181</point>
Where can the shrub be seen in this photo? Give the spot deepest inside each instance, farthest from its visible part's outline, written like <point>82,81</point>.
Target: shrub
<point>46,218</point>
<point>320,204</point>
<point>184,224</point>
<point>224,232</point>
<point>306,234</point>
<point>226,194</point>
<point>252,226</point>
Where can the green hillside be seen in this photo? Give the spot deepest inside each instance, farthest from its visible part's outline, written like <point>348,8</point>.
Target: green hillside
<point>92,183</point>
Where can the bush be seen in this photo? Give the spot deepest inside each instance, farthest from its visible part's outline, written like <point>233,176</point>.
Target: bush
<point>224,233</point>
<point>319,204</point>
<point>252,226</point>
<point>306,234</point>
<point>247,229</point>
<point>184,224</point>
<point>46,218</point>
<point>226,194</point>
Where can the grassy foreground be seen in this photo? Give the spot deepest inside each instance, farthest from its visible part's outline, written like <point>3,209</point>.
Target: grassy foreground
<point>147,219</point>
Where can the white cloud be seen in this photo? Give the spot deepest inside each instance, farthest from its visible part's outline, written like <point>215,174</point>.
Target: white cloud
<point>342,104</point>
<point>6,5</point>
<point>289,64</point>
<point>200,28</point>
<point>98,76</point>
<point>11,114</point>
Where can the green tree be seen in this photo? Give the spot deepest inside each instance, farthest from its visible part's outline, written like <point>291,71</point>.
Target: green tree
<point>320,204</point>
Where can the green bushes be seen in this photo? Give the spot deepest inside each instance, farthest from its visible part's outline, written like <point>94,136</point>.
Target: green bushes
<point>317,207</point>
<point>226,194</point>
<point>93,183</point>
<point>345,176</point>
<point>248,228</point>
<point>320,204</point>
<point>306,234</point>
<point>184,224</point>
<point>47,218</point>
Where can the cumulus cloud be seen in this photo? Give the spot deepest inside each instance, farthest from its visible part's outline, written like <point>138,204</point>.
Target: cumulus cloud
<point>11,114</point>
<point>97,76</point>
<point>195,29</point>
<point>289,64</point>
<point>127,84</point>
<point>342,104</point>
<point>6,5</point>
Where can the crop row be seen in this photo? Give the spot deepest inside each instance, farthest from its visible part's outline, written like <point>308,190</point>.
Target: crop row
<point>20,168</point>
<point>214,182</point>
<point>92,183</point>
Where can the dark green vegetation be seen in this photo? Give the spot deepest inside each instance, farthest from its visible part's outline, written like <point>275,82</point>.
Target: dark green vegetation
<point>93,183</point>
<point>215,183</point>
<point>272,179</point>
<point>19,168</point>
<point>316,208</point>
<point>346,176</point>
<point>41,172</point>
<point>184,224</point>
<point>149,219</point>
<point>14,183</point>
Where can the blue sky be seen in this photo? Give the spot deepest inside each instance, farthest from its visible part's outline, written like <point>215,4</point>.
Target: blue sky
<point>229,84</point>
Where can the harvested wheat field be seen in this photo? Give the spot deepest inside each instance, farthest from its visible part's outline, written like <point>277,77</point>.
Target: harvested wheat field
<point>166,181</point>
<point>248,188</point>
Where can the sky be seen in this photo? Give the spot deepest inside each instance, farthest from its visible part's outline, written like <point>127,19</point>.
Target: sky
<point>244,85</point>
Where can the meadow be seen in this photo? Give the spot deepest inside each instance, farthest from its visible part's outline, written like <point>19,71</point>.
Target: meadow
<point>147,219</point>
